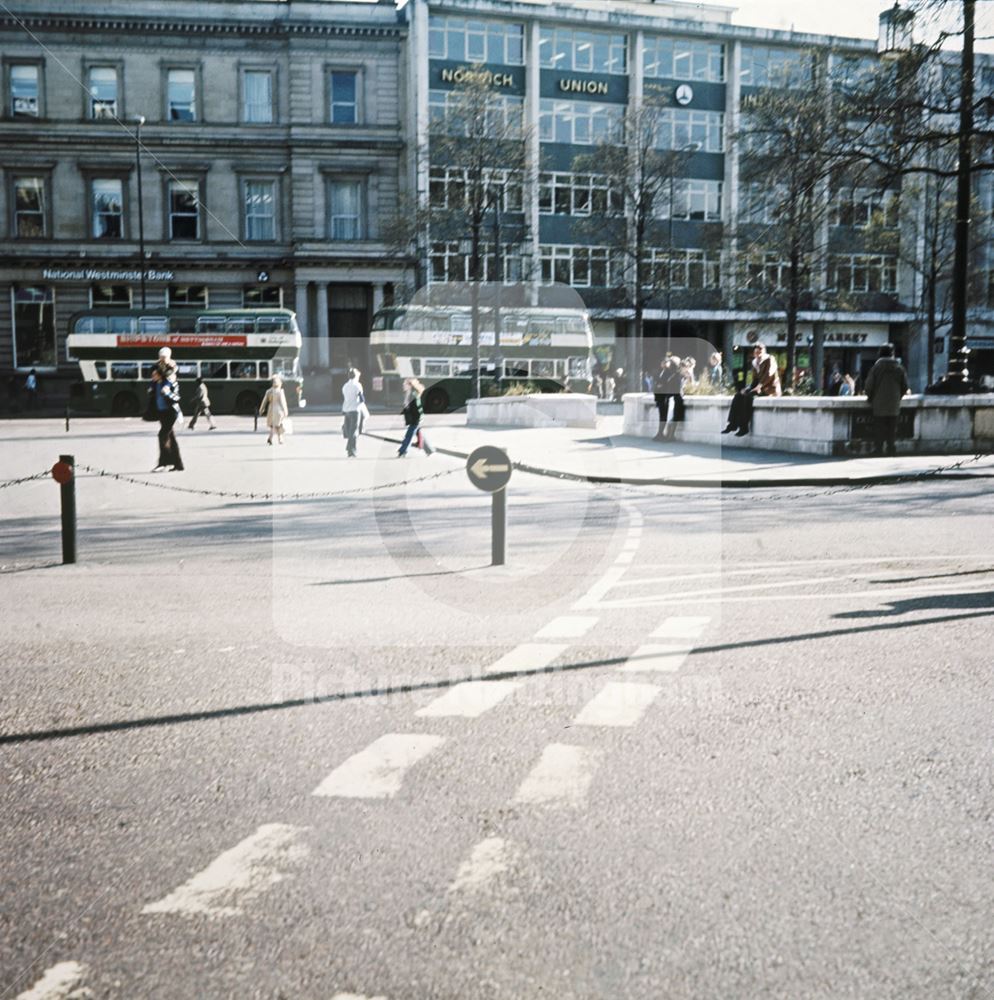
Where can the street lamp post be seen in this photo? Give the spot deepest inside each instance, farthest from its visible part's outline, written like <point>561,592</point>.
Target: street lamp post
<point>669,273</point>
<point>140,120</point>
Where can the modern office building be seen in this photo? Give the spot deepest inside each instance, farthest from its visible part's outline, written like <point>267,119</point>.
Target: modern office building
<point>270,155</point>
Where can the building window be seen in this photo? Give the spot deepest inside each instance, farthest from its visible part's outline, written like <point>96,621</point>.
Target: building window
<point>25,90</point>
<point>771,273</point>
<point>698,130</point>
<point>504,114</point>
<point>580,123</point>
<point>262,297</point>
<point>683,59</point>
<point>102,91</point>
<point>29,208</point>
<point>861,207</point>
<point>462,40</point>
<point>112,296</point>
<point>260,210</point>
<point>761,203</point>
<point>693,200</point>
<point>34,326</point>
<point>689,269</point>
<point>257,96</point>
<point>107,208</point>
<point>583,51</point>
<point>181,95</point>
<point>579,266</point>
<point>449,263</point>
<point>862,273</point>
<point>343,97</point>
<point>345,210</point>
<point>448,186</point>
<point>184,210</point>
<point>578,194</point>
<point>194,296</point>
<point>765,67</point>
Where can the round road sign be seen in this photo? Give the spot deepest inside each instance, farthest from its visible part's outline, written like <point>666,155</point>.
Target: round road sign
<point>488,468</point>
<point>62,472</point>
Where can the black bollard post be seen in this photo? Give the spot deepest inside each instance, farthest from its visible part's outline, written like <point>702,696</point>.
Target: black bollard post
<point>498,525</point>
<point>65,474</point>
<point>67,418</point>
<point>255,422</point>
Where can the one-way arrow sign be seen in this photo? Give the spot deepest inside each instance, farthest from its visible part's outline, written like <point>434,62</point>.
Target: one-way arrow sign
<point>488,468</point>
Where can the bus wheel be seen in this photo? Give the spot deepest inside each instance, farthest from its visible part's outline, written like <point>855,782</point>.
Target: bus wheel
<point>246,403</point>
<point>124,404</point>
<point>436,401</point>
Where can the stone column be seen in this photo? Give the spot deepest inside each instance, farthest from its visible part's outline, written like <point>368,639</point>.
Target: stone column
<point>377,297</point>
<point>307,357</point>
<point>323,345</point>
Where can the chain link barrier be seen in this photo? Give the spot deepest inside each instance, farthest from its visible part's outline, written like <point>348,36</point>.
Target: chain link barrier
<point>25,479</point>
<point>262,497</point>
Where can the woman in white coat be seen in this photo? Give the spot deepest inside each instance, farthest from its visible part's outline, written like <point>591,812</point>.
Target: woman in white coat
<point>274,408</point>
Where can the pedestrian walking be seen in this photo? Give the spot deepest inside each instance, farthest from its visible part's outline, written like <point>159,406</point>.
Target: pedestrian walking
<point>273,407</point>
<point>31,390</point>
<point>667,386</point>
<point>413,413</point>
<point>848,387</point>
<point>765,382</point>
<point>202,406</point>
<point>885,386</point>
<point>165,399</point>
<point>608,385</point>
<point>715,374</point>
<point>353,400</point>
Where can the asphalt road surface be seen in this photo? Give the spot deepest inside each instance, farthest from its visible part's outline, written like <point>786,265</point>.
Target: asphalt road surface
<point>686,744</point>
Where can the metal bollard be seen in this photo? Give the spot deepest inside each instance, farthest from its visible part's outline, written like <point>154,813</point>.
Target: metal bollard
<point>64,473</point>
<point>67,418</point>
<point>498,528</point>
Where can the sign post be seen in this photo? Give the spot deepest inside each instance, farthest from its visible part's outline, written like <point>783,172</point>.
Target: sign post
<point>489,469</point>
<point>63,472</point>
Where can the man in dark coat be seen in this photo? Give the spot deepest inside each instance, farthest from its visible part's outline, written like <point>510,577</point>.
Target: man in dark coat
<point>765,382</point>
<point>885,386</point>
<point>666,386</point>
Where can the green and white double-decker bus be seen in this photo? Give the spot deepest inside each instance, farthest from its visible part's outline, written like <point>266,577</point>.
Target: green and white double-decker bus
<point>235,351</point>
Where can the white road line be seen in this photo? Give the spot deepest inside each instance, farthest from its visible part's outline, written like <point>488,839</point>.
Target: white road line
<point>561,777</point>
<point>681,627</point>
<point>378,771</point>
<point>595,595</point>
<point>527,656</point>
<point>632,542</point>
<point>237,876</point>
<point>624,558</point>
<point>567,627</point>
<point>469,700</point>
<point>58,982</point>
<point>489,859</point>
<point>652,658</point>
<point>617,705</point>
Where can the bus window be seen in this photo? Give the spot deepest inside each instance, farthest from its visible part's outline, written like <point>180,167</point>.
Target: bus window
<point>182,324</point>
<point>100,367</point>
<point>122,324</point>
<point>147,368</point>
<point>263,369</point>
<point>416,367</point>
<point>273,324</point>
<point>186,369</point>
<point>243,369</point>
<point>210,324</point>
<point>578,368</point>
<point>436,369</point>
<point>213,369</point>
<point>571,324</point>
<point>85,325</point>
<point>152,324</point>
<point>124,369</point>
<point>544,369</point>
<point>460,323</point>
<point>388,363</point>
<point>240,324</point>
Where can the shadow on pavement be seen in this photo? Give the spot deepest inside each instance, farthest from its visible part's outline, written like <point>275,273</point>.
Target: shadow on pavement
<point>932,602</point>
<point>44,735</point>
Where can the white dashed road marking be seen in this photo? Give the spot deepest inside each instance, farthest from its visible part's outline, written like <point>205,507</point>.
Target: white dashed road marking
<point>490,858</point>
<point>656,659</point>
<point>469,700</point>
<point>567,627</point>
<point>561,777</point>
<point>527,656</point>
<point>687,627</point>
<point>238,875</point>
<point>58,982</point>
<point>378,771</point>
<point>617,705</point>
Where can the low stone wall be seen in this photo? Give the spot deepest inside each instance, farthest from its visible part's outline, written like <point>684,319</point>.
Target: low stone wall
<point>827,425</point>
<point>561,409</point>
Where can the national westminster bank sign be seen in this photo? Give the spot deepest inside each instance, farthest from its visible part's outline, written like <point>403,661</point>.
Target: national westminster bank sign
<point>102,274</point>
